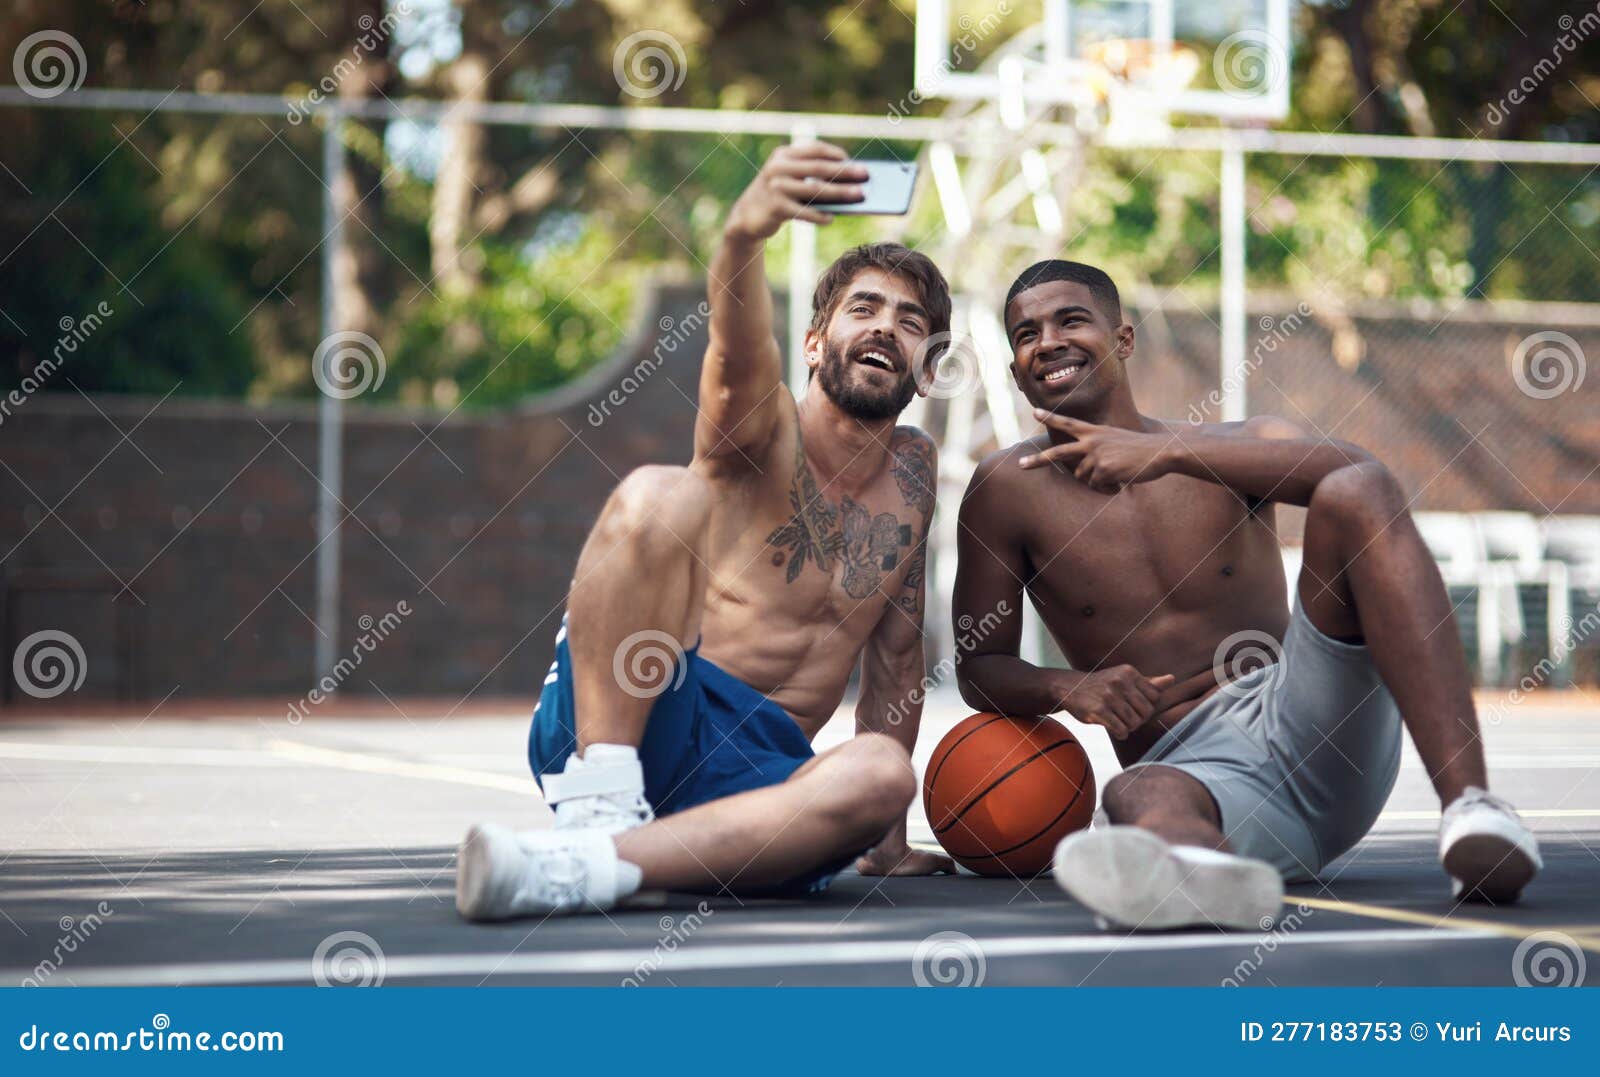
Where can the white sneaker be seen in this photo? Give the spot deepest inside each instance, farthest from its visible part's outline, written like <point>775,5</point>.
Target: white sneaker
<point>603,790</point>
<point>1488,853</point>
<point>1133,879</point>
<point>501,875</point>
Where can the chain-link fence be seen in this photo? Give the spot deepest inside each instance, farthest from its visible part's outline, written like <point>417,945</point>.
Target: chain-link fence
<point>1435,310</point>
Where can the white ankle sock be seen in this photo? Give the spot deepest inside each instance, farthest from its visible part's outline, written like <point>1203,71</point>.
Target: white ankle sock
<point>629,878</point>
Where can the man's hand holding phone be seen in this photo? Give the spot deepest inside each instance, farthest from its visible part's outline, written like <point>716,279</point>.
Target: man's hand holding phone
<point>785,189</point>
<point>814,182</point>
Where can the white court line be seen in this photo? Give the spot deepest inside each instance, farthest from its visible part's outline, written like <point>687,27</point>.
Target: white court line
<point>402,768</point>
<point>1431,815</point>
<point>741,956</point>
<point>283,753</point>
<point>277,753</point>
<point>97,753</point>
<point>1503,761</point>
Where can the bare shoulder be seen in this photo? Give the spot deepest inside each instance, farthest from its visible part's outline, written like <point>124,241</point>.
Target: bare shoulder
<point>912,439</point>
<point>998,472</point>
<point>770,461</point>
<point>914,462</point>
<point>1000,492</point>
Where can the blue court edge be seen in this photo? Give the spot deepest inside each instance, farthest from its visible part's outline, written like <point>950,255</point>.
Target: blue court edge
<point>736,1031</point>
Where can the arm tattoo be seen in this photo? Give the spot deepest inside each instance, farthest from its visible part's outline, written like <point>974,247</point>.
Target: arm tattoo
<point>912,602</point>
<point>913,473</point>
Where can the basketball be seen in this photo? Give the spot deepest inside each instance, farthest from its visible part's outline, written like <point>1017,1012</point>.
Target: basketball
<point>1001,792</point>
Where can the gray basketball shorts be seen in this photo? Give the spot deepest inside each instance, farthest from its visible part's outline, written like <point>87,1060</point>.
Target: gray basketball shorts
<point>1300,755</point>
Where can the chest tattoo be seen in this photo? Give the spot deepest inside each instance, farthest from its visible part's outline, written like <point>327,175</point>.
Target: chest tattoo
<point>813,528</point>
<point>868,545</point>
<point>871,547</point>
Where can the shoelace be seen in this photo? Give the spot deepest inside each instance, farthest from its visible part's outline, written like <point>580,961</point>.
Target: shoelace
<point>561,883</point>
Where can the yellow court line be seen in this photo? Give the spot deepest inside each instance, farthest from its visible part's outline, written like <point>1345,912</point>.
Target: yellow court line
<point>1381,912</point>
<point>377,764</point>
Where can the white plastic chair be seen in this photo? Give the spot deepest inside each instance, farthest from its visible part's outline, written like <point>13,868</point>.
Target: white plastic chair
<point>1515,545</point>
<point>1457,543</point>
<point>1575,542</point>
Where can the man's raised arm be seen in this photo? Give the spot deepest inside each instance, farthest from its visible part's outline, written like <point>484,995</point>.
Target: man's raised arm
<point>742,377</point>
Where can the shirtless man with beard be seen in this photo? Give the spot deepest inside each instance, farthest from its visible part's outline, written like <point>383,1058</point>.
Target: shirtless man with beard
<point>718,609</point>
<point>1149,549</point>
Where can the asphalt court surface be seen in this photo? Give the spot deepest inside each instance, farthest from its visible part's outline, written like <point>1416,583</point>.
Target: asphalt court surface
<point>190,846</point>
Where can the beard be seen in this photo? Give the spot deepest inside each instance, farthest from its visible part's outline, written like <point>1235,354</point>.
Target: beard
<point>866,402</point>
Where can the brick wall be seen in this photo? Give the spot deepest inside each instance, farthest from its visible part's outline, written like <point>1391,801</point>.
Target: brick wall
<point>207,513</point>
<point>181,556</point>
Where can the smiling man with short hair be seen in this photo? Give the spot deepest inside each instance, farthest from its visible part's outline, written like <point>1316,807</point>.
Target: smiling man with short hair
<point>1148,547</point>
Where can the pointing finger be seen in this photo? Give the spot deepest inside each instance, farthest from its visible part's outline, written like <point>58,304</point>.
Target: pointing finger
<point>1065,453</point>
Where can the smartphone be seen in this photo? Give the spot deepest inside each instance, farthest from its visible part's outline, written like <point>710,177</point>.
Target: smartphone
<point>888,190</point>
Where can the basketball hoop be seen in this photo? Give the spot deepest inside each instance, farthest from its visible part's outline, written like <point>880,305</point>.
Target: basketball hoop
<point>1136,81</point>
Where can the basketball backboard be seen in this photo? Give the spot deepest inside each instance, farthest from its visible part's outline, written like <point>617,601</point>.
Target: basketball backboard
<point>1227,59</point>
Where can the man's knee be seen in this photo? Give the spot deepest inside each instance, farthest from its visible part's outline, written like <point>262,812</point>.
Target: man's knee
<point>1363,498</point>
<point>1121,799</point>
<point>873,785</point>
<point>656,503</point>
<point>1134,794</point>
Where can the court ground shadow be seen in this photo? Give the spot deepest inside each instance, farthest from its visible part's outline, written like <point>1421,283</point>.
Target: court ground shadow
<point>265,915</point>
